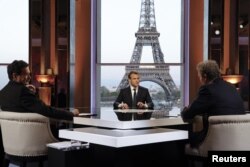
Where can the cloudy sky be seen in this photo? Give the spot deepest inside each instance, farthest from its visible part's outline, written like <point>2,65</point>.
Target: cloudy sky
<point>14,33</point>
<point>119,23</point>
<point>14,30</point>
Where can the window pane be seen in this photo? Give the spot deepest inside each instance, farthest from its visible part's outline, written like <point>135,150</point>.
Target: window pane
<point>126,38</point>
<point>111,77</point>
<point>14,30</point>
<point>119,23</point>
<point>4,76</point>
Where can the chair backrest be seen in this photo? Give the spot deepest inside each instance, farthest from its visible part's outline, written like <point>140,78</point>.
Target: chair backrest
<point>25,134</point>
<point>225,133</point>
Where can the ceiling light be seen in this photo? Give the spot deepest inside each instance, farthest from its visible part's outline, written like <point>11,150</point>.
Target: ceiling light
<point>217,32</point>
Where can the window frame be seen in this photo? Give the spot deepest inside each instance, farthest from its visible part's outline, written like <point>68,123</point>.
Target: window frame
<point>96,53</point>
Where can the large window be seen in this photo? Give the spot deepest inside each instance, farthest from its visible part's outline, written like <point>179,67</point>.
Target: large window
<point>14,34</point>
<point>121,27</point>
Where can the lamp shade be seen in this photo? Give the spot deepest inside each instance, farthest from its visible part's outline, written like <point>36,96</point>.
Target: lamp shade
<point>233,79</point>
<point>45,78</point>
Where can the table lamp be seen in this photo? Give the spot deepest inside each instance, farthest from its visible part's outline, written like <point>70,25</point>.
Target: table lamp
<point>45,89</point>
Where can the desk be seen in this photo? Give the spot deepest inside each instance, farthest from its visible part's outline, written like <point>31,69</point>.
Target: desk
<point>131,148</point>
<point>108,119</point>
<point>130,143</point>
<point>123,138</point>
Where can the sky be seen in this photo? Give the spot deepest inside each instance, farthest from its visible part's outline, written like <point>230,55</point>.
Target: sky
<point>14,30</point>
<point>14,34</point>
<point>120,22</point>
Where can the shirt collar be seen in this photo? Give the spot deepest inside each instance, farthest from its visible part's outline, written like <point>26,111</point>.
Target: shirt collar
<point>132,88</point>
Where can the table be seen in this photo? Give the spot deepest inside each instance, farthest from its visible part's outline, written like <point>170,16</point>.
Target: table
<point>123,138</point>
<point>108,119</point>
<point>130,143</point>
<point>128,148</point>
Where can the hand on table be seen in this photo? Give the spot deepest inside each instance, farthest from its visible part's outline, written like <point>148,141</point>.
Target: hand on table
<point>32,88</point>
<point>124,106</point>
<point>141,105</point>
<point>75,112</point>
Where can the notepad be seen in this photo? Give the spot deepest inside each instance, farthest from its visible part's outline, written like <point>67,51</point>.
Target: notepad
<point>68,145</point>
<point>86,114</point>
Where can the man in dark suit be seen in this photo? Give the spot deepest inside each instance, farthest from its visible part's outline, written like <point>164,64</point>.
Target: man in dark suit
<point>134,97</point>
<point>19,96</point>
<point>215,97</point>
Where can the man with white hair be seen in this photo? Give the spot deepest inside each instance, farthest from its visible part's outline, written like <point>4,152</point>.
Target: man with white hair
<point>215,97</point>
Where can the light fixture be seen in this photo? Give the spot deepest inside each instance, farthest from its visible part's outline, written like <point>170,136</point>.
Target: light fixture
<point>217,32</point>
<point>233,79</point>
<point>243,22</point>
<point>46,82</point>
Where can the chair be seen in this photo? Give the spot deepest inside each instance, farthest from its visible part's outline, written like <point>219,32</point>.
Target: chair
<point>25,136</point>
<point>225,133</point>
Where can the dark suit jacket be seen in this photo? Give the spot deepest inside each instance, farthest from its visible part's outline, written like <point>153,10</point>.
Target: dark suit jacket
<point>216,98</point>
<point>18,98</point>
<point>125,96</point>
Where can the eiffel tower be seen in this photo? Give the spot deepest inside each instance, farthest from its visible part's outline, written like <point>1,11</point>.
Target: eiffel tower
<point>147,35</point>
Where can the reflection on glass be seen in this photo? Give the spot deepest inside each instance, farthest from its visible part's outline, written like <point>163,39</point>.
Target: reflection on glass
<point>216,30</point>
<point>111,77</point>
<point>243,43</point>
<point>107,113</point>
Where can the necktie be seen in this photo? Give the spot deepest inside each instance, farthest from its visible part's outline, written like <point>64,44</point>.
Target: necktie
<point>134,99</point>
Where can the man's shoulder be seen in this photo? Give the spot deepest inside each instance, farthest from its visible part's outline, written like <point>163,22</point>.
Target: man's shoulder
<point>15,85</point>
<point>204,88</point>
<point>217,84</point>
<point>6,87</point>
<point>12,87</point>
<point>143,88</point>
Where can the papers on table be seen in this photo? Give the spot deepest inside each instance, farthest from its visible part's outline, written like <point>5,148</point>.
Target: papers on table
<point>68,145</point>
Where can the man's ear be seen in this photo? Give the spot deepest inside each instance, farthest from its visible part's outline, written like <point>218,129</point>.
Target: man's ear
<point>204,76</point>
<point>14,76</point>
